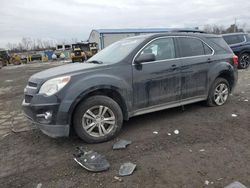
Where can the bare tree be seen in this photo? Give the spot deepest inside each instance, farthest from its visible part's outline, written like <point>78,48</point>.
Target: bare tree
<point>26,43</point>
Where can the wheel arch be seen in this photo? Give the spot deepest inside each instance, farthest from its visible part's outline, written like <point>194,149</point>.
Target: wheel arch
<point>227,75</point>
<point>108,91</point>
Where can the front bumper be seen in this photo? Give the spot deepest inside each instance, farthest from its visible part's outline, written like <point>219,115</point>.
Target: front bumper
<point>47,126</point>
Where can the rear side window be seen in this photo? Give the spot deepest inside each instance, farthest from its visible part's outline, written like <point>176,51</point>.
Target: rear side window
<point>234,39</point>
<point>192,47</point>
<point>219,45</point>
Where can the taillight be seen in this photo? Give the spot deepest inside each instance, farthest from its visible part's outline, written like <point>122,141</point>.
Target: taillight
<point>235,60</point>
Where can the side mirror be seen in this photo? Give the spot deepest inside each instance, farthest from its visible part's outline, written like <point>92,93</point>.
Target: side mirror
<point>147,57</point>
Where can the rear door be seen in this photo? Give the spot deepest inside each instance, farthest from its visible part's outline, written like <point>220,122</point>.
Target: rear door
<point>195,56</point>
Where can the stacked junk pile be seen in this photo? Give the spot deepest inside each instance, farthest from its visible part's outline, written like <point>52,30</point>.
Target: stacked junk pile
<point>78,52</point>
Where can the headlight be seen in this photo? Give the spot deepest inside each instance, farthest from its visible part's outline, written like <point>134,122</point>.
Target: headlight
<point>54,85</point>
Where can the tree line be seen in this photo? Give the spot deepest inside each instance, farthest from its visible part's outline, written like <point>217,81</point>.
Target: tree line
<point>220,29</point>
<point>29,44</point>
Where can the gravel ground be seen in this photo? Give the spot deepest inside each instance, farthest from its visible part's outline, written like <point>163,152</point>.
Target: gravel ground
<point>212,147</point>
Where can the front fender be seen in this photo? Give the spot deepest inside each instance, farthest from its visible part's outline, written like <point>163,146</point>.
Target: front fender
<point>78,90</point>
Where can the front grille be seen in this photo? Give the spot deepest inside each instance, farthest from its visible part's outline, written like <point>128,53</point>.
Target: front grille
<point>28,98</point>
<point>32,84</point>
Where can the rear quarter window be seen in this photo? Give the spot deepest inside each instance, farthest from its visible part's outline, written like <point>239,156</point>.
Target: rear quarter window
<point>234,39</point>
<point>219,45</point>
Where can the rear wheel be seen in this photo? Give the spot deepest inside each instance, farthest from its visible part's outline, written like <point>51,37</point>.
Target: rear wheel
<point>98,119</point>
<point>244,60</point>
<point>218,93</point>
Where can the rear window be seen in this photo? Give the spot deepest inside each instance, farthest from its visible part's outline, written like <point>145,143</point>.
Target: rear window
<point>219,45</point>
<point>192,47</point>
<point>234,39</point>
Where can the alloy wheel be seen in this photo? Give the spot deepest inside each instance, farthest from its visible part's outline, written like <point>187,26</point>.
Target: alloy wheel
<point>244,61</point>
<point>98,121</point>
<point>221,94</point>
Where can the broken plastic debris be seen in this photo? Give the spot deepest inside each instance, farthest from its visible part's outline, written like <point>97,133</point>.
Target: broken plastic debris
<point>176,131</point>
<point>234,115</point>
<point>121,144</point>
<point>118,178</point>
<point>169,134</point>
<point>155,132</point>
<point>39,185</point>
<point>127,169</point>
<point>202,150</point>
<point>246,100</point>
<point>91,160</point>
<point>206,182</point>
<point>235,184</point>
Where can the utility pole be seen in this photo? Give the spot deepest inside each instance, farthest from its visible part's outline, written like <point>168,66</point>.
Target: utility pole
<point>235,24</point>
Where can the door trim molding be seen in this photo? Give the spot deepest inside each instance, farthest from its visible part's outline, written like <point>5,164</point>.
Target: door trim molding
<point>168,105</point>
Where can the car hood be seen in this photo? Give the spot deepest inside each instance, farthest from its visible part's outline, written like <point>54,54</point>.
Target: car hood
<point>68,69</point>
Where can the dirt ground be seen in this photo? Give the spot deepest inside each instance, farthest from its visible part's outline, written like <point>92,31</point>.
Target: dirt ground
<point>212,146</point>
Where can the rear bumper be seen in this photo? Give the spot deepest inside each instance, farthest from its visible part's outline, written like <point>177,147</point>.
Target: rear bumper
<point>47,126</point>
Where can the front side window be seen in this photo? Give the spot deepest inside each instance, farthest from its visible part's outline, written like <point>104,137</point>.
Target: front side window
<point>162,49</point>
<point>192,47</point>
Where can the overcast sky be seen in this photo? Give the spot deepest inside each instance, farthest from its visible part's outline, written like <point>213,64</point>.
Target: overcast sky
<point>67,19</point>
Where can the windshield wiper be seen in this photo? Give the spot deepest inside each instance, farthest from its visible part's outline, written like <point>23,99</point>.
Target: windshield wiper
<point>95,61</point>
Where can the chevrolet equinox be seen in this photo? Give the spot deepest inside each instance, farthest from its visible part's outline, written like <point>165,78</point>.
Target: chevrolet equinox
<point>130,77</point>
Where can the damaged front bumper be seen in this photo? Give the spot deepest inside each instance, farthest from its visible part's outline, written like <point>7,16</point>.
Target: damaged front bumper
<point>44,117</point>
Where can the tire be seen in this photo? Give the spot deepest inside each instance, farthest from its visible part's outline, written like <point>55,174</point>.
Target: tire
<point>212,96</point>
<point>84,120</point>
<point>244,60</point>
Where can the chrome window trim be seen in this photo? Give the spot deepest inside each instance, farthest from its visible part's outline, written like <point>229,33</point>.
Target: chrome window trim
<point>172,58</point>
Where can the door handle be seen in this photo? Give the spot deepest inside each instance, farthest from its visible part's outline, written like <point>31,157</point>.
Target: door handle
<point>174,67</point>
<point>209,60</point>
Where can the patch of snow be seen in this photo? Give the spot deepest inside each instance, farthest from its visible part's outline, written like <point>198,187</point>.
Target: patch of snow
<point>176,131</point>
<point>206,182</point>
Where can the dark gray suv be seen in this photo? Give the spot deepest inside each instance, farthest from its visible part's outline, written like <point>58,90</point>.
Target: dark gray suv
<point>131,77</point>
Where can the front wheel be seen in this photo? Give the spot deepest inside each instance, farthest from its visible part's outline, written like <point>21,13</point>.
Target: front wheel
<point>244,61</point>
<point>219,92</point>
<point>98,119</point>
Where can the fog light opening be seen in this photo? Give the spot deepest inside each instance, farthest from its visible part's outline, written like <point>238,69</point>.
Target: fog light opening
<point>45,117</point>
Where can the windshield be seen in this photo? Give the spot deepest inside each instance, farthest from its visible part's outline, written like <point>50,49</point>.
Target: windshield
<point>117,51</point>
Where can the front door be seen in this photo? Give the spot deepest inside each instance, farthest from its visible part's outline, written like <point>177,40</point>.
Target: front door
<point>157,82</point>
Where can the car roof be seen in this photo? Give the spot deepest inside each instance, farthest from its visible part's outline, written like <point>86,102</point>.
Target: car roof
<point>181,34</point>
<point>229,34</point>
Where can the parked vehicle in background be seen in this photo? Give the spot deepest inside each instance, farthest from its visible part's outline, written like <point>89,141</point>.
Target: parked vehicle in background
<point>130,77</point>
<point>240,44</point>
<point>4,57</point>
<point>82,51</point>
<point>15,59</point>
